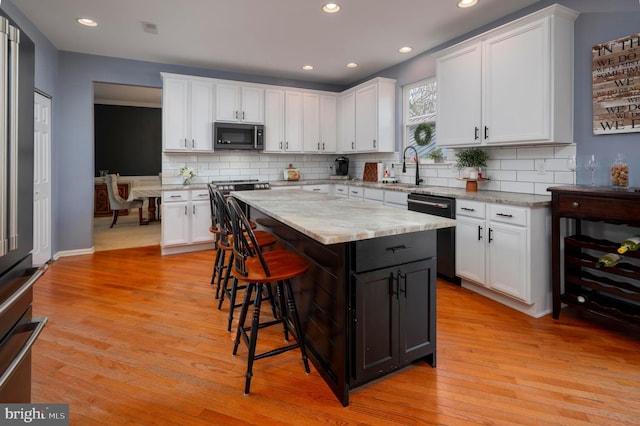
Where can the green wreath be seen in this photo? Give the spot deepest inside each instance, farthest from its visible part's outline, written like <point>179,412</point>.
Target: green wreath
<point>423,134</point>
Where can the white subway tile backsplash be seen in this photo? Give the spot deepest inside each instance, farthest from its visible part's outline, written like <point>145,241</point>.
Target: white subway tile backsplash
<point>511,169</point>
<point>517,165</point>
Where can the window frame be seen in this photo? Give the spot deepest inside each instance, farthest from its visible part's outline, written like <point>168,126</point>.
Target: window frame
<point>406,124</point>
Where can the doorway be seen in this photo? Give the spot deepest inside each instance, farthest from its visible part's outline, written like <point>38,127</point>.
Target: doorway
<point>122,102</point>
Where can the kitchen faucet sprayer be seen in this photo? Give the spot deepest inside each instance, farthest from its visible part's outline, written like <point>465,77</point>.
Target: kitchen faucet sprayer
<point>404,165</point>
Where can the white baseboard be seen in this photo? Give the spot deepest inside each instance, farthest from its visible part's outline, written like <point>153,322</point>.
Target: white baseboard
<point>77,252</point>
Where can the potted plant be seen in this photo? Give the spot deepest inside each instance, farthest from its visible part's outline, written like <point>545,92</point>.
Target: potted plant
<point>470,159</point>
<point>436,155</point>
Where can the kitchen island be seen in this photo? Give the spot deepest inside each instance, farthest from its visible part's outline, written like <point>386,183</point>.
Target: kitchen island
<point>368,300</point>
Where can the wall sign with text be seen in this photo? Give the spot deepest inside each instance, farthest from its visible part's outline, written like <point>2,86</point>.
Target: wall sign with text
<point>616,86</point>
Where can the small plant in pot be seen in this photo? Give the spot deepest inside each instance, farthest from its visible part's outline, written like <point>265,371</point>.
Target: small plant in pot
<point>470,160</point>
<point>436,155</point>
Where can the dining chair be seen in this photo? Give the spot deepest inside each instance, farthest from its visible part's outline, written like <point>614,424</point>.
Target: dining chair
<point>118,203</point>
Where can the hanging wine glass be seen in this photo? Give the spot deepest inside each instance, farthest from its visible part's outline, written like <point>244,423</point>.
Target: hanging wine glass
<point>571,165</point>
<point>592,165</point>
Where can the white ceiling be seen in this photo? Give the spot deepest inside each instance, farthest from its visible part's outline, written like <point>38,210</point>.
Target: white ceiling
<point>265,37</point>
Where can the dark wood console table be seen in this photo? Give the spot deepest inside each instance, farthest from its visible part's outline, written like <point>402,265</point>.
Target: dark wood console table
<point>613,292</point>
<point>101,205</point>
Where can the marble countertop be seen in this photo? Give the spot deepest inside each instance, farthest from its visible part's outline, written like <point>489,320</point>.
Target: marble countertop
<point>330,219</point>
<point>510,198</point>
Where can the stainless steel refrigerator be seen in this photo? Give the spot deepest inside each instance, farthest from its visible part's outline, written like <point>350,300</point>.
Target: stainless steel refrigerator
<point>18,329</point>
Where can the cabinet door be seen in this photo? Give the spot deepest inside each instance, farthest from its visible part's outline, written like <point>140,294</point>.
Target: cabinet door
<point>507,260</point>
<point>328,123</point>
<point>201,116</point>
<point>274,121</point>
<point>516,85</point>
<point>311,122</point>
<point>348,117</point>
<point>252,105</point>
<point>227,103</point>
<point>417,297</point>
<point>367,118</point>
<point>458,121</point>
<point>470,248</point>
<point>175,223</point>
<point>200,221</point>
<point>376,335</point>
<point>293,121</point>
<point>175,114</point>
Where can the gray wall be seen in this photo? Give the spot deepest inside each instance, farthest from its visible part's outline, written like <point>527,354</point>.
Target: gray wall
<point>68,78</point>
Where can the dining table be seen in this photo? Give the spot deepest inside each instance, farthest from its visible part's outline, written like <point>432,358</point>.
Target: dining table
<point>153,193</point>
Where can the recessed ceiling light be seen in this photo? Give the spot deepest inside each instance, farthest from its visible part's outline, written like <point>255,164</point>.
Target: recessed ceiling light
<point>87,22</point>
<point>405,49</point>
<point>467,3</point>
<point>352,65</point>
<point>307,67</point>
<point>331,8</point>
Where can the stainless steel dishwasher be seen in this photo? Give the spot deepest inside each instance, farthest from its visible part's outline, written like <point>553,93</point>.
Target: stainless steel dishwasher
<point>442,207</point>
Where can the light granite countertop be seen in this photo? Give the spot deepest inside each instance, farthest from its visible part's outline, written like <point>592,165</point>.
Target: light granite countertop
<point>330,219</point>
<point>510,198</point>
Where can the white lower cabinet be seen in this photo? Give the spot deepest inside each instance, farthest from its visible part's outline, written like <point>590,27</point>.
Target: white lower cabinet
<point>395,199</point>
<point>341,190</point>
<point>501,252</point>
<point>186,217</point>
<point>374,195</point>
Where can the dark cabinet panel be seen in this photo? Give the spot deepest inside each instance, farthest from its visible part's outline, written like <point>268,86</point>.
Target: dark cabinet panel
<point>394,318</point>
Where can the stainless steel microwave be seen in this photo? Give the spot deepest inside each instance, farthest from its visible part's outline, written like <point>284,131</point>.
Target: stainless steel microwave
<point>238,136</point>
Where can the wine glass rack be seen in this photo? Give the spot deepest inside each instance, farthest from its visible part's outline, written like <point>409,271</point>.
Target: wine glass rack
<point>613,292</point>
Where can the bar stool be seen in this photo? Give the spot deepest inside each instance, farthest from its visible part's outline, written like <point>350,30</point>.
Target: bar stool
<point>225,243</point>
<point>260,269</point>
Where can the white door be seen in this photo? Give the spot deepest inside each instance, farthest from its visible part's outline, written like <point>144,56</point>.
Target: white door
<point>42,180</point>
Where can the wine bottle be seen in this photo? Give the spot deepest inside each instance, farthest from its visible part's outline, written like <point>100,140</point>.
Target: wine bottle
<point>608,260</point>
<point>630,244</point>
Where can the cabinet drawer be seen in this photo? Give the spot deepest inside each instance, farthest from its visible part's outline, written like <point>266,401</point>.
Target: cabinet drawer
<point>171,196</point>
<point>394,250</point>
<point>470,208</point>
<point>596,207</point>
<point>342,190</point>
<point>507,214</point>
<point>356,192</point>
<point>199,194</point>
<point>395,197</point>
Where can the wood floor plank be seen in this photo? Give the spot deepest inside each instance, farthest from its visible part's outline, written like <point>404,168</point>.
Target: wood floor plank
<point>136,338</point>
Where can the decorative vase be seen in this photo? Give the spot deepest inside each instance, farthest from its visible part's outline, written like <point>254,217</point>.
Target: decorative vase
<point>470,173</point>
<point>186,181</point>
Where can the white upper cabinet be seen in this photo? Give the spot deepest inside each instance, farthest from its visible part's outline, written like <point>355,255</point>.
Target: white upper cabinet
<point>293,113</point>
<point>347,122</point>
<point>187,114</point>
<point>366,117</point>
<point>243,104</point>
<point>274,121</point>
<point>328,123</point>
<point>375,116</point>
<point>319,123</point>
<point>511,85</point>
<point>311,122</point>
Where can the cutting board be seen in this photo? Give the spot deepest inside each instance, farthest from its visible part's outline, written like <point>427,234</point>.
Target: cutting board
<point>370,172</point>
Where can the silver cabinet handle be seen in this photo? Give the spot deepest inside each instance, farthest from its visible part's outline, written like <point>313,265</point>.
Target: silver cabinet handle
<point>185,210</point>
<point>467,209</point>
<point>504,215</point>
<point>575,204</point>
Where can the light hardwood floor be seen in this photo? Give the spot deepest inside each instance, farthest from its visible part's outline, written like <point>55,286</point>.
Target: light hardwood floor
<point>126,233</point>
<point>135,338</point>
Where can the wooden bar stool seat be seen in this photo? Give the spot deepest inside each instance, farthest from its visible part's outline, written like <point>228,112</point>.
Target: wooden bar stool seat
<point>259,270</point>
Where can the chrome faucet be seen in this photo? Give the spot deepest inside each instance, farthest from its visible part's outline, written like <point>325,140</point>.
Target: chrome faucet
<point>404,165</point>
